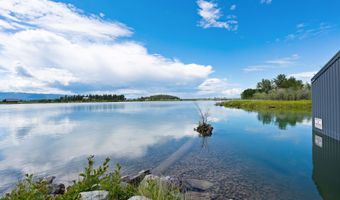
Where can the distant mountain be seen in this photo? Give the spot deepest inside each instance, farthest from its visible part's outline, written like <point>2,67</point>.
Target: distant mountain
<point>27,96</point>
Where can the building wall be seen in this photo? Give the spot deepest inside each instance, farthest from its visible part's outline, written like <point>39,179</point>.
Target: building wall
<point>326,99</point>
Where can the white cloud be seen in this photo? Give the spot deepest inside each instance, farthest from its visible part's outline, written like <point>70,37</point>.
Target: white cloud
<point>219,88</point>
<point>51,47</point>
<point>211,16</point>
<point>266,1</point>
<point>233,7</point>
<point>255,68</point>
<point>304,76</point>
<point>273,64</point>
<point>304,31</point>
<point>284,61</point>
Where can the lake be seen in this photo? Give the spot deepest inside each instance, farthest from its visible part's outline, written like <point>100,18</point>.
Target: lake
<point>251,155</point>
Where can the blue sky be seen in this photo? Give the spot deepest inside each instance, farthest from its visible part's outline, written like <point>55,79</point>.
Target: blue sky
<point>191,48</point>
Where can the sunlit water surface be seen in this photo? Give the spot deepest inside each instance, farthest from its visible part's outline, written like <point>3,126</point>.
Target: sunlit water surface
<point>249,156</point>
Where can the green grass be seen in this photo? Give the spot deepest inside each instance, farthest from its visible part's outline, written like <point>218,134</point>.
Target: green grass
<point>262,105</point>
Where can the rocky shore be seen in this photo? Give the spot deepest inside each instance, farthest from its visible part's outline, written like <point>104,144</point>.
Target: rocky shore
<point>190,189</point>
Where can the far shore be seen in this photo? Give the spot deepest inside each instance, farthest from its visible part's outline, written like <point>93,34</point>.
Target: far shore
<point>58,102</point>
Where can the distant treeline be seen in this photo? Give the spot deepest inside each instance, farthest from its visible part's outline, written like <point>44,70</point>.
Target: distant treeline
<point>105,98</point>
<point>279,88</point>
<point>85,98</point>
<point>161,97</point>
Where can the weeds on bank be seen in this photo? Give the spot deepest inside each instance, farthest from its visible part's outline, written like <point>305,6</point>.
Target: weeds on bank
<point>90,180</point>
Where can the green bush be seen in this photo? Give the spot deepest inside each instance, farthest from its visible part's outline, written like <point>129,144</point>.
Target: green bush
<point>280,88</point>
<point>28,189</point>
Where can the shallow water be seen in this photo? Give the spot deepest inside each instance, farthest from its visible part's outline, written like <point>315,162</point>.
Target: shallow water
<point>249,156</point>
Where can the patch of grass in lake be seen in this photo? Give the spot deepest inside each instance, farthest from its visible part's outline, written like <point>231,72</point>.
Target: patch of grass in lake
<point>269,105</point>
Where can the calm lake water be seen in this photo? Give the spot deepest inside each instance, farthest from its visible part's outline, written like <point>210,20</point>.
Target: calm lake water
<point>249,156</point>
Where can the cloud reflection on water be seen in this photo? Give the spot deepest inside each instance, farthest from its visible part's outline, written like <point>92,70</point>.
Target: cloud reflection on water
<point>36,139</point>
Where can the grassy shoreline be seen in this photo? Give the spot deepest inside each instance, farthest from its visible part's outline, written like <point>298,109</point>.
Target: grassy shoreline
<point>300,105</point>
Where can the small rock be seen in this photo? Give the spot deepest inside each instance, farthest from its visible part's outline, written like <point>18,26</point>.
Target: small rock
<point>197,185</point>
<point>56,188</point>
<point>95,195</point>
<point>172,181</point>
<point>139,198</point>
<point>139,177</point>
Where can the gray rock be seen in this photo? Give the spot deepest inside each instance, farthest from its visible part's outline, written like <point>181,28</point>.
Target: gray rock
<point>95,195</point>
<point>54,188</point>
<point>197,185</point>
<point>139,198</point>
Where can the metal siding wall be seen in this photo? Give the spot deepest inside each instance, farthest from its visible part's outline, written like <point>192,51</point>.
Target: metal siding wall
<point>326,100</point>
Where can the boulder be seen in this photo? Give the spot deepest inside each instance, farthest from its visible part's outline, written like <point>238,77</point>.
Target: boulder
<point>139,198</point>
<point>95,195</point>
<point>139,177</point>
<point>196,185</point>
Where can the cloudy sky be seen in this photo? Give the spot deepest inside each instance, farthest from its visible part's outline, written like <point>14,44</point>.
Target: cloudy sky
<point>191,48</point>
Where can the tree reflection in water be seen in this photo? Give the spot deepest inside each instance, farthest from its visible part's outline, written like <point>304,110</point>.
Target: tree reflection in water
<point>283,118</point>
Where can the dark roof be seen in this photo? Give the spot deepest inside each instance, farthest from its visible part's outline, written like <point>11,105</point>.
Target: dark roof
<point>325,68</point>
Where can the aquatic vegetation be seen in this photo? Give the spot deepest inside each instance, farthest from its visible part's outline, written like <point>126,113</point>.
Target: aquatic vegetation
<point>204,128</point>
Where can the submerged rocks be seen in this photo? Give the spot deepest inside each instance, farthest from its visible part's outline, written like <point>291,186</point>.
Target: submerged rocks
<point>192,189</point>
<point>197,185</point>
<point>95,195</point>
<point>197,196</point>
